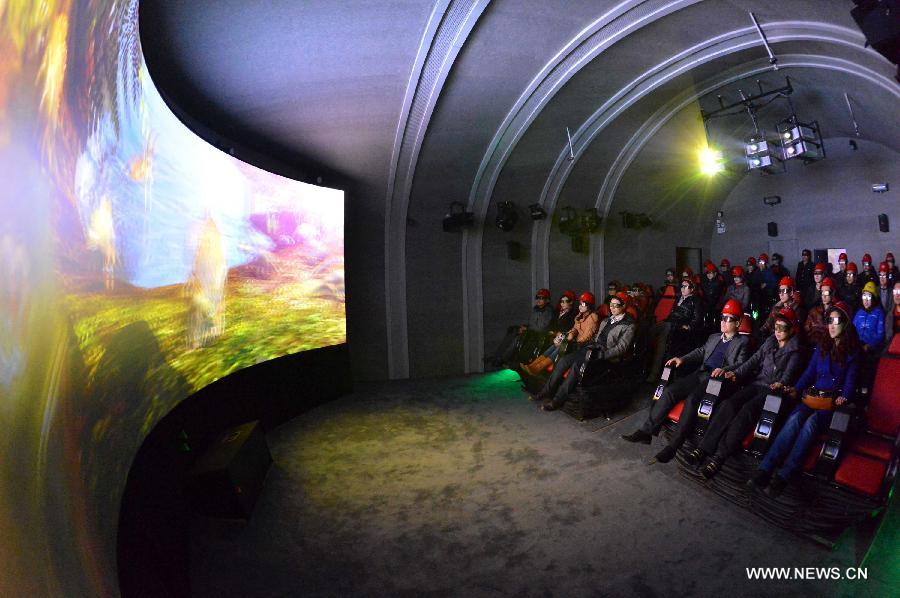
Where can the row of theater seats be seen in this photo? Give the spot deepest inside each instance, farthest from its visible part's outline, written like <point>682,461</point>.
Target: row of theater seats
<point>848,473</point>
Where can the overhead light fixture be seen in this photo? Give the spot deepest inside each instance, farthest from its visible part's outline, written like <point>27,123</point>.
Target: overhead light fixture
<point>711,161</point>
<point>759,154</point>
<point>458,218</point>
<point>537,212</point>
<point>568,221</point>
<point>591,221</point>
<point>881,188</point>
<point>800,140</point>
<point>506,216</point>
<point>772,200</point>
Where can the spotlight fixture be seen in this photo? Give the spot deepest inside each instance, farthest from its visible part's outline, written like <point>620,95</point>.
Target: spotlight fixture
<point>506,216</point>
<point>711,161</point>
<point>800,140</point>
<point>881,188</point>
<point>537,212</point>
<point>591,221</point>
<point>458,218</point>
<point>772,200</point>
<point>759,154</point>
<point>568,221</point>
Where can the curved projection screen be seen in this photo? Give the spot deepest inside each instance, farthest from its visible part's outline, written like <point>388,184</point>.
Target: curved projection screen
<point>139,264</point>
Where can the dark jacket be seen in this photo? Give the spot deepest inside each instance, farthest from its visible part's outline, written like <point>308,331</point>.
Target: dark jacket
<point>565,322</point>
<point>804,275</point>
<point>771,364</point>
<point>618,339</point>
<point>741,294</point>
<point>542,318</point>
<point>688,313</point>
<point>736,354</point>
<point>851,294</point>
<point>712,290</point>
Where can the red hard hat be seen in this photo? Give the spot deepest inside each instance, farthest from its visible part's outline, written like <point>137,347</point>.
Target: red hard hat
<point>587,297</point>
<point>820,267</point>
<point>725,263</point>
<point>737,271</point>
<point>788,315</point>
<point>687,272</point>
<point>841,307</point>
<point>570,295</point>
<point>884,267</point>
<point>751,261</point>
<point>545,293</point>
<point>867,258</point>
<point>828,283</point>
<point>623,297</point>
<point>786,281</point>
<point>733,307</point>
<point>710,267</point>
<point>764,258</point>
<point>851,267</point>
<point>843,256</point>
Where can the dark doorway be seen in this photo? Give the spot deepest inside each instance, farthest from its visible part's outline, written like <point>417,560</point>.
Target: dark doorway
<point>688,257</point>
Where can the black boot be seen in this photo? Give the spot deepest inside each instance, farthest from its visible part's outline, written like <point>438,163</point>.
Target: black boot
<point>665,455</point>
<point>638,436</point>
<point>695,457</point>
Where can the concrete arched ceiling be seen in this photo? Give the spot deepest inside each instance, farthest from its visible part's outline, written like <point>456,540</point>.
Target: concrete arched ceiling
<point>417,104</point>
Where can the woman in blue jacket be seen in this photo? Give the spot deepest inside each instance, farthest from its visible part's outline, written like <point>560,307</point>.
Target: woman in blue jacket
<point>869,321</point>
<point>832,368</point>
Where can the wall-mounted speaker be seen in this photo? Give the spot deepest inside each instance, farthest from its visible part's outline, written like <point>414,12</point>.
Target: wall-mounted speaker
<point>773,229</point>
<point>883,224</point>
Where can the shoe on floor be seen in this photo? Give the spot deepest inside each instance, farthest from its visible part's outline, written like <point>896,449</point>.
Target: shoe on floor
<point>665,455</point>
<point>695,457</point>
<point>637,436</point>
<point>711,469</point>
<point>551,406</point>
<point>759,480</point>
<point>777,486</point>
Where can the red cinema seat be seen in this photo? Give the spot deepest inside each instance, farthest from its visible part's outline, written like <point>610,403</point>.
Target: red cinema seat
<point>871,446</point>
<point>675,412</point>
<point>746,326</point>
<point>813,456</point>
<point>862,474</point>
<point>883,413</point>
<point>748,439</point>
<point>894,347</point>
<point>664,307</point>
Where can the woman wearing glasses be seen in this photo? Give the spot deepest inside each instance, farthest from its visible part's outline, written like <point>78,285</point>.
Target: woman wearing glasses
<point>685,318</point>
<point>774,367</point>
<point>787,298</point>
<point>828,381</point>
<point>815,327</point>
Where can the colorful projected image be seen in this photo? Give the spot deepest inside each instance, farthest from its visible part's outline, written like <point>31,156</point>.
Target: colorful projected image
<point>137,265</point>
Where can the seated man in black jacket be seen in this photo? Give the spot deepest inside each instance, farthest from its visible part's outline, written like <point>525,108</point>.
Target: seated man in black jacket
<point>686,317</point>
<point>722,352</point>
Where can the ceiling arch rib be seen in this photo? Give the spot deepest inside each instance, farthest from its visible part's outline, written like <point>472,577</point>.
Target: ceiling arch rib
<point>652,79</point>
<point>637,142</point>
<point>448,26</point>
<point>623,19</point>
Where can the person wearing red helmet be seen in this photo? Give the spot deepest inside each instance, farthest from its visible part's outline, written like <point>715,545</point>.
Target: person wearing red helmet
<point>884,286</point>
<point>685,318</point>
<point>786,300</point>
<point>765,283</point>
<point>805,266</point>
<point>839,276</point>
<point>829,380</point>
<point>584,326</point>
<point>816,325</point>
<point>892,319</point>
<point>868,273</point>
<point>850,291</point>
<point>608,345</point>
<point>712,285</point>
<point>722,352</point>
<point>776,365</point>
<point>725,273</point>
<point>669,282</point>
<point>812,294</point>
<point>779,269</point>
<point>739,291</point>
<point>534,333</point>
<point>894,275</point>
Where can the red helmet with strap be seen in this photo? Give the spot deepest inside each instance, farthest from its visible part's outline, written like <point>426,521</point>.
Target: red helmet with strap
<point>587,297</point>
<point>733,307</point>
<point>786,281</point>
<point>737,271</point>
<point>543,293</point>
<point>851,267</point>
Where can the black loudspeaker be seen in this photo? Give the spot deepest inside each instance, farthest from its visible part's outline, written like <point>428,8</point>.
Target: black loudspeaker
<point>877,19</point>
<point>773,229</point>
<point>883,224</point>
<point>581,244</point>
<point>226,480</point>
<point>513,250</point>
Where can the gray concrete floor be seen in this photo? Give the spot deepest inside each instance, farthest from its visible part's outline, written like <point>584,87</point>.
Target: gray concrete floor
<point>462,487</point>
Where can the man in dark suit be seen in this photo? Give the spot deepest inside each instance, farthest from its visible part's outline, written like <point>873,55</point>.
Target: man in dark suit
<point>722,352</point>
